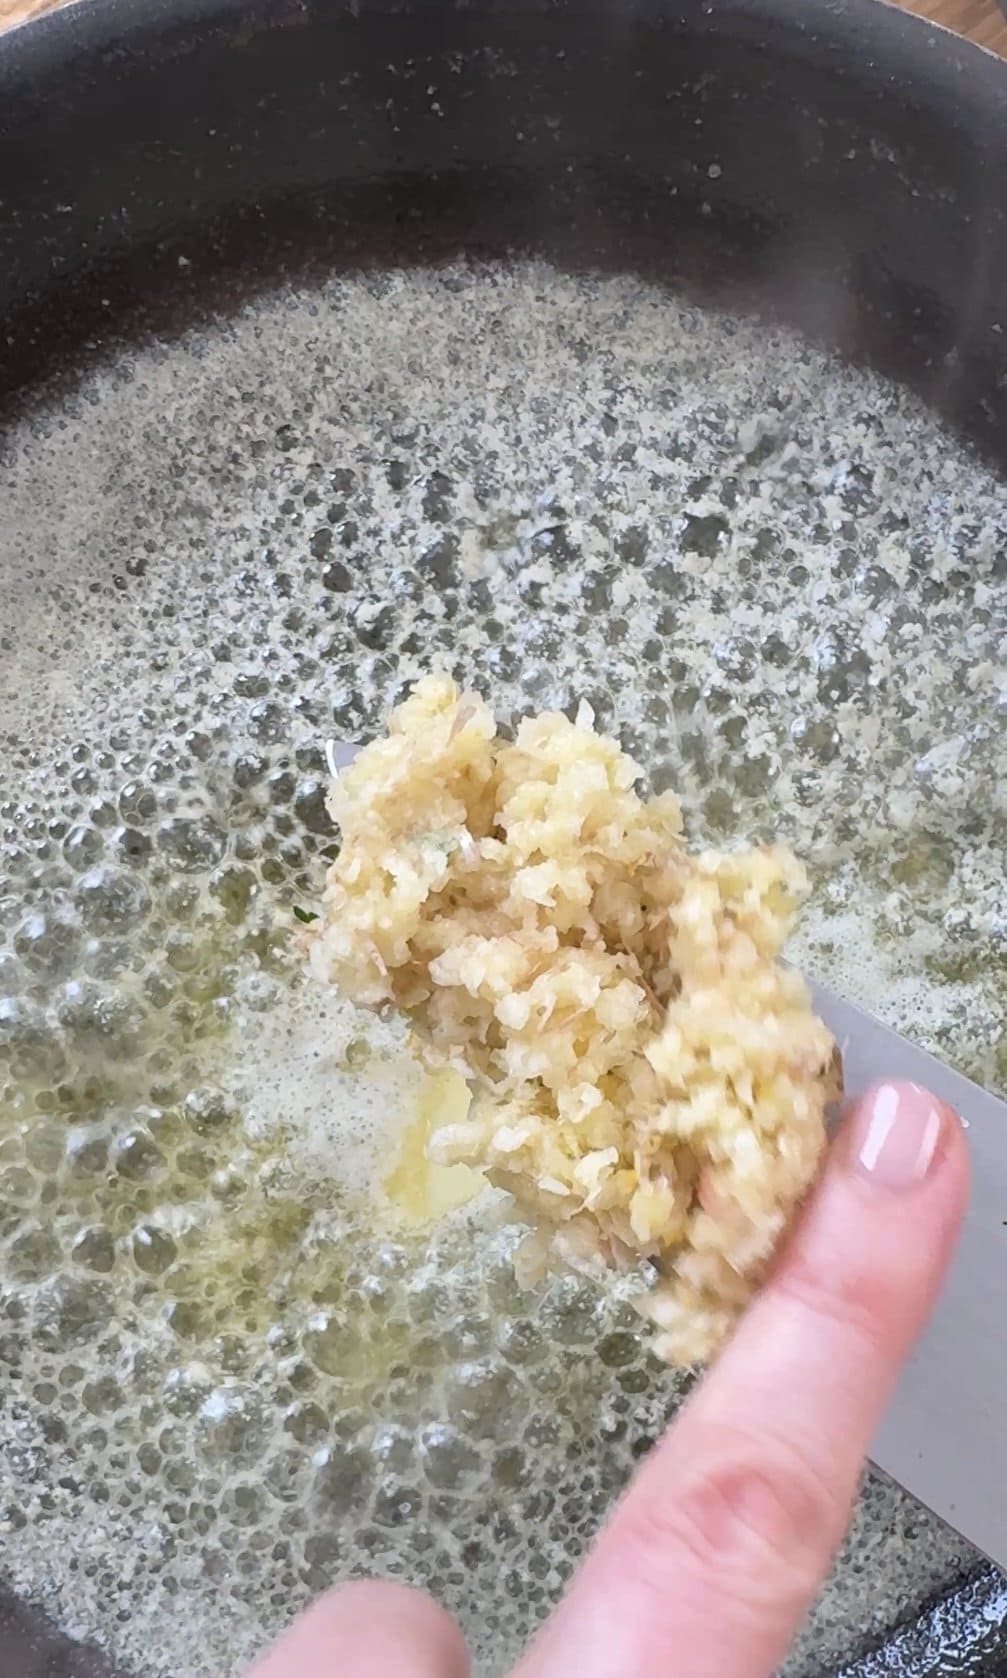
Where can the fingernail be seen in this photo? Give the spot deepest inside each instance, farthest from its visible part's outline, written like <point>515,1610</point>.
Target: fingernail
<point>896,1130</point>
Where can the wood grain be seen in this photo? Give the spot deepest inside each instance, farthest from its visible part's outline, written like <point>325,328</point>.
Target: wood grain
<point>980,20</point>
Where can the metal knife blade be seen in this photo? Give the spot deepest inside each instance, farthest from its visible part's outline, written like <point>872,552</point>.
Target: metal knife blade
<point>942,1438</point>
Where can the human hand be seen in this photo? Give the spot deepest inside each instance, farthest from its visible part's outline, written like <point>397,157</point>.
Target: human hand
<point>710,1562</point>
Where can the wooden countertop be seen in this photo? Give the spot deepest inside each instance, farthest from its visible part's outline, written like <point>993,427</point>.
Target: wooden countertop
<point>980,20</point>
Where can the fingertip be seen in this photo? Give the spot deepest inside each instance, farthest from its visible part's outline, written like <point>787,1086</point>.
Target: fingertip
<point>899,1136</point>
<point>868,1256</point>
<point>371,1629</point>
<point>370,1603</point>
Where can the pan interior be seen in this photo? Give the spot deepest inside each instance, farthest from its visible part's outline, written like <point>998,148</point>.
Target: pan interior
<point>231,1373</point>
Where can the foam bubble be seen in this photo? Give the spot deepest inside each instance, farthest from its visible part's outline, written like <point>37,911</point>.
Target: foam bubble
<point>334,1086</point>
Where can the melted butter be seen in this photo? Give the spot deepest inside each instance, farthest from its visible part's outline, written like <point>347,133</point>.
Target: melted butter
<point>419,1191</point>
<point>261,1389</point>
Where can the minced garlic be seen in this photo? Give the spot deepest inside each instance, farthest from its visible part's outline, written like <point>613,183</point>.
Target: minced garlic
<point>648,1082</point>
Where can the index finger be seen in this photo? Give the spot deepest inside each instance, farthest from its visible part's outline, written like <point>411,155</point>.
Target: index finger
<point>711,1561</point>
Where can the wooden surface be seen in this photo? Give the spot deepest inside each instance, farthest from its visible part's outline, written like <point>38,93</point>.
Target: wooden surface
<point>981,20</point>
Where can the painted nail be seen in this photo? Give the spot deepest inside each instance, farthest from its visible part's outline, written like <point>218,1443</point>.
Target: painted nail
<point>896,1129</point>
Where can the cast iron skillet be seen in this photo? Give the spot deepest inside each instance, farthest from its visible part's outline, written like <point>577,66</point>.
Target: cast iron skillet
<point>861,195</point>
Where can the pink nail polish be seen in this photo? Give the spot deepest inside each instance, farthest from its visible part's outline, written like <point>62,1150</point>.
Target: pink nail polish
<point>896,1130</point>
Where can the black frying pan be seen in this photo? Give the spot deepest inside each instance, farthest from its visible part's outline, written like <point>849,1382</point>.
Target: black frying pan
<point>870,213</point>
